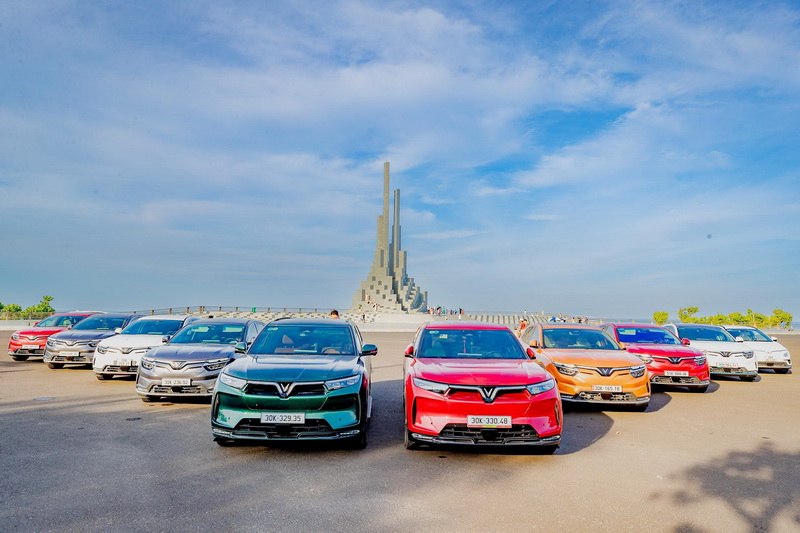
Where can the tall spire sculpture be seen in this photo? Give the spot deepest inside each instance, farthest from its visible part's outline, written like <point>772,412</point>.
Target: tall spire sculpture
<point>388,286</point>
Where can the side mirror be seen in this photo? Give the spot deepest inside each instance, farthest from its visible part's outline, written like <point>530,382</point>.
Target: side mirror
<point>240,347</point>
<point>117,330</point>
<point>774,339</point>
<point>622,346</point>
<point>534,343</point>
<point>531,352</point>
<point>369,349</point>
<point>739,339</point>
<point>685,342</point>
<point>165,339</point>
<point>409,351</point>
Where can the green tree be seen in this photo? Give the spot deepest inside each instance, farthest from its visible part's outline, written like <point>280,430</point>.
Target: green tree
<point>12,308</point>
<point>781,318</point>
<point>686,314</point>
<point>660,317</point>
<point>42,307</point>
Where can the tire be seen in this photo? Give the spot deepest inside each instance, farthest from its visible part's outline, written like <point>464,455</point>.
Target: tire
<point>55,365</point>
<point>544,450</point>
<point>641,408</point>
<point>781,370</point>
<point>147,398</point>
<point>19,357</point>
<point>408,441</point>
<point>222,441</point>
<point>748,378</point>
<point>699,390</point>
<point>103,377</point>
<point>360,441</point>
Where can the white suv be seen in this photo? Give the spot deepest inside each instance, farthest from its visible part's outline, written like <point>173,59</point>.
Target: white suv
<point>726,356</point>
<point>120,355</point>
<point>769,352</point>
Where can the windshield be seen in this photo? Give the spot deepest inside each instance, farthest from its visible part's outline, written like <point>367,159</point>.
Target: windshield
<point>645,335</point>
<point>101,323</point>
<point>754,335</point>
<point>304,339</point>
<point>153,327</point>
<point>210,334</point>
<point>578,339</point>
<point>705,333</point>
<point>470,344</point>
<point>59,321</point>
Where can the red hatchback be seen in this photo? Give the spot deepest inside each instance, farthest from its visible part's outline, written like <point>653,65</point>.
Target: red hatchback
<point>476,384</point>
<point>668,360</point>
<point>31,341</point>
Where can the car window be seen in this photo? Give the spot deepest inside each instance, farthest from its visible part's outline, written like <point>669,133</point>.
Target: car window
<point>153,327</point>
<point>645,335</point>
<point>304,339</point>
<point>469,344</point>
<point>101,323</point>
<point>577,339</point>
<point>753,335</point>
<point>696,333</point>
<point>210,334</point>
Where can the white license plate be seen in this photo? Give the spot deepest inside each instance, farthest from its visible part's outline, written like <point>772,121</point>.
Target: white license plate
<point>475,421</point>
<point>283,418</point>
<point>170,382</point>
<point>677,373</point>
<point>727,364</point>
<point>607,388</point>
<point>70,354</point>
<point>30,347</point>
<point>122,362</point>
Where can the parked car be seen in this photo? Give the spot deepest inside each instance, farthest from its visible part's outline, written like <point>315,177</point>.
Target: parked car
<point>31,341</point>
<point>770,354</point>
<point>119,355</point>
<point>475,384</point>
<point>76,346</point>
<point>302,379</point>
<point>589,366</point>
<point>188,365</point>
<point>668,361</point>
<point>726,356</point>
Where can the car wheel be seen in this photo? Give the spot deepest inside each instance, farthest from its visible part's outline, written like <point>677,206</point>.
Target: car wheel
<point>544,450</point>
<point>748,378</point>
<point>222,441</point>
<point>777,370</point>
<point>641,407</point>
<point>19,357</point>
<point>699,390</point>
<point>147,398</point>
<point>408,441</point>
<point>55,365</point>
<point>359,442</point>
<point>103,377</point>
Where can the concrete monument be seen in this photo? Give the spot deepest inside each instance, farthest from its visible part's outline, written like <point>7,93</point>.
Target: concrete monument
<point>388,286</point>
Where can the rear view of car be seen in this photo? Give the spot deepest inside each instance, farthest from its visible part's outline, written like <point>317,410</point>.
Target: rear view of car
<point>668,361</point>
<point>475,384</point>
<point>770,354</point>
<point>726,356</point>
<point>31,341</point>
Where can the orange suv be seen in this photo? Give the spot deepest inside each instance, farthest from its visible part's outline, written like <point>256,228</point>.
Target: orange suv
<point>589,366</point>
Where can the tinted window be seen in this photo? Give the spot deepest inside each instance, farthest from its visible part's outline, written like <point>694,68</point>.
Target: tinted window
<point>645,335</point>
<point>577,339</point>
<point>755,335</point>
<point>60,321</point>
<point>101,323</point>
<point>153,327</point>
<point>470,344</point>
<point>304,339</point>
<point>698,333</point>
<point>209,334</point>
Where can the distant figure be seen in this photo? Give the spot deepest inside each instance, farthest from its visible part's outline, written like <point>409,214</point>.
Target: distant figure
<point>334,313</point>
<point>523,325</point>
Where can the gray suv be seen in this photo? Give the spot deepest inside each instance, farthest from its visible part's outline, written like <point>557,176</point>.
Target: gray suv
<point>77,345</point>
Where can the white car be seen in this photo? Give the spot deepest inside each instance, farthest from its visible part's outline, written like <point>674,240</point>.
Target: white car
<point>726,355</point>
<point>120,355</point>
<point>769,352</point>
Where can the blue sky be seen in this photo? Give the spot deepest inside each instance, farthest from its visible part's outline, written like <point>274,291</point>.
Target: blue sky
<point>606,159</point>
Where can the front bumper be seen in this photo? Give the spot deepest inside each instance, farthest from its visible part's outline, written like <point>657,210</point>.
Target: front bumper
<point>774,363</point>
<point>582,388</point>
<point>116,363</point>
<point>78,356</point>
<point>25,348</point>
<point>733,371</point>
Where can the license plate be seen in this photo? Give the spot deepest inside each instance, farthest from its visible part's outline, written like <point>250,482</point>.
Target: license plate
<point>726,364</point>
<point>70,354</point>
<point>283,418</point>
<point>607,388</point>
<point>30,347</point>
<point>122,362</point>
<point>475,421</point>
<point>677,373</point>
<point>169,382</point>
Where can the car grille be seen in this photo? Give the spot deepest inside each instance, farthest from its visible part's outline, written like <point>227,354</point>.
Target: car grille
<point>23,351</point>
<point>775,365</point>
<point>178,389</point>
<point>121,369</point>
<point>740,370</point>
<point>72,359</point>
<point>296,389</point>
<point>680,380</point>
<point>251,427</point>
<point>607,396</point>
<point>464,433</point>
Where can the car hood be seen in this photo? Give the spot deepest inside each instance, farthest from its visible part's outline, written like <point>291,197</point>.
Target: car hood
<point>480,372</point>
<point>191,352</point>
<point>82,335</point>
<point>294,367</point>
<point>132,341</point>
<point>593,358</point>
<point>664,350</point>
<point>39,332</point>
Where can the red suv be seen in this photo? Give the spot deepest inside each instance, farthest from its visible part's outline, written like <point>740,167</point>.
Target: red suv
<point>668,360</point>
<point>30,341</point>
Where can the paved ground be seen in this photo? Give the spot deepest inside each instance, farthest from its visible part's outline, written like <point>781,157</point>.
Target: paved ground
<point>77,454</point>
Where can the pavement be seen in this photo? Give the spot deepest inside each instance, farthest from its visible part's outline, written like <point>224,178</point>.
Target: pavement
<point>77,454</point>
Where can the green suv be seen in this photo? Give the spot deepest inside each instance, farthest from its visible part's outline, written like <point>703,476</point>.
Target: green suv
<point>301,380</point>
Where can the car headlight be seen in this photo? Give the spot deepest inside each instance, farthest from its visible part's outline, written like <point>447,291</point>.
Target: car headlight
<point>236,383</point>
<point>700,360</point>
<point>14,337</point>
<point>51,343</point>
<point>342,383</point>
<point>567,370</point>
<point>147,364</point>
<point>215,364</point>
<point>747,355</point>
<point>638,371</point>
<point>644,357</point>
<point>432,386</point>
<point>542,386</point>
<point>102,349</point>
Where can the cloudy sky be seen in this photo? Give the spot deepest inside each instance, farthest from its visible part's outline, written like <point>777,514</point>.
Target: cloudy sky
<point>598,158</point>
